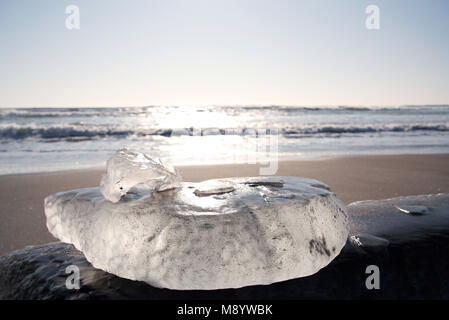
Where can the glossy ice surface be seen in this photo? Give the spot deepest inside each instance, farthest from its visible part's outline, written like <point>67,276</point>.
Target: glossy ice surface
<point>225,233</point>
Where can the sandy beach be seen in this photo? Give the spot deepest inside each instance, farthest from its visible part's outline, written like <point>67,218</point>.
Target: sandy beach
<point>351,178</point>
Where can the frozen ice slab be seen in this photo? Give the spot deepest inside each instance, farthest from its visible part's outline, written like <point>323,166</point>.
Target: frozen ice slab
<point>225,233</point>
<point>127,169</point>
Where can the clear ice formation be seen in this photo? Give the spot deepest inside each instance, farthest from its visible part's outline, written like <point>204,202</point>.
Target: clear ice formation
<point>215,234</point>
<point>127,169</point>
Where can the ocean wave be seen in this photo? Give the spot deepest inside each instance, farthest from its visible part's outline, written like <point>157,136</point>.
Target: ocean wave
<point>54,113</point>
<point>58,131</point>
<point>331,129</point>
<point>37,113</point>
<point>76,132</point>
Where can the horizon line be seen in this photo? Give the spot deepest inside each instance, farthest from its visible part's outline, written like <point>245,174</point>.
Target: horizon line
<point>237,106</point>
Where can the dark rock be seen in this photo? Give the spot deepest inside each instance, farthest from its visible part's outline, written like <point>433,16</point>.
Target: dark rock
<point>411,251</point>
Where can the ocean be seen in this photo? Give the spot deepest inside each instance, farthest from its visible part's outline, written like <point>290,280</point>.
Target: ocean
<point>53,139</point>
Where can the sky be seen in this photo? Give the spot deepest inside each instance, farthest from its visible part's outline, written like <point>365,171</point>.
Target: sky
<point>213,52</point>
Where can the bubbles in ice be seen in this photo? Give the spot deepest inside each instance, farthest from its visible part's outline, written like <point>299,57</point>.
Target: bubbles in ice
<point>127,169</point>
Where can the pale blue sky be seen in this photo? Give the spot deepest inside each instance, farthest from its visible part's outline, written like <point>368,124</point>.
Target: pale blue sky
<point>180,52</point>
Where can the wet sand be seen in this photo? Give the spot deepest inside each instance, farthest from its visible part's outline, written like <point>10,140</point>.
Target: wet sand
<point>22,220</point>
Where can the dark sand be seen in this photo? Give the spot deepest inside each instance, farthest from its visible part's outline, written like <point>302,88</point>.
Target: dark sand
<point>22,220</point>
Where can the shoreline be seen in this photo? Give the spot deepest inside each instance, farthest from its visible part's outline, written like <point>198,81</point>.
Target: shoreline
<point>218,164</point>
<point>352,178</point>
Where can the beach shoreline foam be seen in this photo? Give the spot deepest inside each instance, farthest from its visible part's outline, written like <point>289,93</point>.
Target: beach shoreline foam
<point>37,140</point>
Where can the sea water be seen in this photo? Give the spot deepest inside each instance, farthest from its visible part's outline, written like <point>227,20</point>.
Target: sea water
<point>51,139</point>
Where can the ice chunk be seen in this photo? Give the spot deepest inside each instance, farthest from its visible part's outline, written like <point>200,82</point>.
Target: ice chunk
<point>413,210</point>
<point>213,187</point>
<point>127,169</point>
<point>192,238</point>
<point>365,242</point>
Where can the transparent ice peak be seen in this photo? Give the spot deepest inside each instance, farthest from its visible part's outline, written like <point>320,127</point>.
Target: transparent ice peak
<point>127,169</point>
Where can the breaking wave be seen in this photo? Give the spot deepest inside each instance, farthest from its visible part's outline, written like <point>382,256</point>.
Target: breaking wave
<point>12,113</point>
<point>78,132</point>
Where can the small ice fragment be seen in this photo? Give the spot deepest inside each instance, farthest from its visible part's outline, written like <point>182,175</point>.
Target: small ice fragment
<point>127,169</point>
<point>368,243</point>
<point>210,192</point>
<point>413,210</point>
<point>214,187</point>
